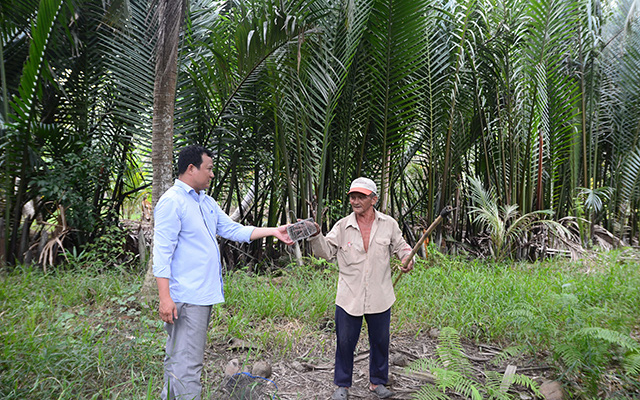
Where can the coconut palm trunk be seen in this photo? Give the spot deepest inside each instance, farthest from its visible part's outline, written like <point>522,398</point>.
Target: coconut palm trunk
<point>170,15</point>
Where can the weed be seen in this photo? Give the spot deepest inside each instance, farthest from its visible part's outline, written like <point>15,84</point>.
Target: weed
<point>84,333</point>
<point>453,372</point>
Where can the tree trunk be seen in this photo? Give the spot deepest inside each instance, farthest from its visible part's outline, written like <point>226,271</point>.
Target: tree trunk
<point>170,15</point>
<point>245,204</point>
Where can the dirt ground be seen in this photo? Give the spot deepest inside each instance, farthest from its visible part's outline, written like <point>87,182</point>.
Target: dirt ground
<point>309,374</point>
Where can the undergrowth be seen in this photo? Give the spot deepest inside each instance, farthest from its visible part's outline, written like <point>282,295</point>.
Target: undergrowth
<point>453,372</point>
<point>85,333</point>
<point>76,335</point>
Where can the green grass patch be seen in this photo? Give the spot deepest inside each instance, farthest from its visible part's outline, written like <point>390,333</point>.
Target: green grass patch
<point>74,335</point>
<point>70,335</point>
<point>490,301</point>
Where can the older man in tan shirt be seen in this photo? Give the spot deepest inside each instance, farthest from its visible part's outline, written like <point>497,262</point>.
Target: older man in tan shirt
<point>363,243</point>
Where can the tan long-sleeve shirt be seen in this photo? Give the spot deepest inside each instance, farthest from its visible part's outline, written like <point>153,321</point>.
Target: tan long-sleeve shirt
<point>364,283</point>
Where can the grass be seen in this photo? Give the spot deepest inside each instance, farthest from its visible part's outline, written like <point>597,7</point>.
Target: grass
<point>482,300</point>
<point>75,335</point>
<point>86,335</point>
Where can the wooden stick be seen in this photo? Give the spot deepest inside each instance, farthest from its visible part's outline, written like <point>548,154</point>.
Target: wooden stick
<point>443,214</point>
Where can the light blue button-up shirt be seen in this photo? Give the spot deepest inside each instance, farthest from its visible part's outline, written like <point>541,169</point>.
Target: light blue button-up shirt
<point>185,249</point>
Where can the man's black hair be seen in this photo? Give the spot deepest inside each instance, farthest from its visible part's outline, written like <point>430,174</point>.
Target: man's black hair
<point>191,155</point>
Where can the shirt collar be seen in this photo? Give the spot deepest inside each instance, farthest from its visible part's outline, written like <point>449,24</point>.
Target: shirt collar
<point>351,219</point>
<point>191,191</point>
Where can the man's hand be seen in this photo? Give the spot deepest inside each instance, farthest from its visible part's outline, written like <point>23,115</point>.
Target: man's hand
<point>282,235</point>
<point>409,266</point>
<point>168,310</point>
<point>317,229</point>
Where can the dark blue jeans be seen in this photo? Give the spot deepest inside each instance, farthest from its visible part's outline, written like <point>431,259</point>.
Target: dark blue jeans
<point>347,334</point>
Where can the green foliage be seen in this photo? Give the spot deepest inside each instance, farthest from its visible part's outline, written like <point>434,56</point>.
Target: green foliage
<point>70,182</point>
<point>631,364</point>
<point>298,97</point>
<point>286,296</point>
<point>482,299</point>
<point>593,198</point>
<point>453,371</point>
<point>107,251</point>
<point>585,350</point>
<point>71,335</point>
<point>16,140</point>
<point>590,202</point>
<point>507,228</point>
<point>76,116</point>
<point>335,210</point>
<point>74,333</point>
<point>588,353</point>
<point>540,306</point>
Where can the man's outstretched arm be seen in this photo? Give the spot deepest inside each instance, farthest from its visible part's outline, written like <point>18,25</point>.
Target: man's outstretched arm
<point>279,232</point>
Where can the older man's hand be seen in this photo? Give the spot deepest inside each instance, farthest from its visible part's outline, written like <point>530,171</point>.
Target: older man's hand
<point>409,265</point>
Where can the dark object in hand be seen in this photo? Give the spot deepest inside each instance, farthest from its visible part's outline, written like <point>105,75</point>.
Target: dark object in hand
<point>302,229</point>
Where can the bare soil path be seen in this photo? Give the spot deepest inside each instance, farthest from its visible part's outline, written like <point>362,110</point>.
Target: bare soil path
<point>309,374</point>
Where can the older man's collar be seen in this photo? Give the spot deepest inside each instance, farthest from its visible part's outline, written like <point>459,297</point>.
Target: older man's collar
<point>352,221</point>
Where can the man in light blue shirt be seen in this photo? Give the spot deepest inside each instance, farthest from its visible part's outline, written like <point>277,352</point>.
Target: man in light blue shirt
<point>186,264</point>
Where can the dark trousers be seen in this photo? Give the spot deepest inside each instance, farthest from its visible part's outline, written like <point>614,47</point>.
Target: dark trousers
<point>347,334</point>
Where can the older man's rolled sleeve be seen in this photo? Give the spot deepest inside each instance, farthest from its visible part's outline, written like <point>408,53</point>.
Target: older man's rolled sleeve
<point>400,247</point>
<point>324,247</point>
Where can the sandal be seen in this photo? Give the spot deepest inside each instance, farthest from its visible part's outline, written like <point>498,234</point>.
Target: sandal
<point>341,393</point>
<point>382,392</point>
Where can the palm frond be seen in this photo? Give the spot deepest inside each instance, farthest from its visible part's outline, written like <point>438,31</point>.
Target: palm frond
<point>23,103</point>
<point>611,337</point>
<point>632,363</point>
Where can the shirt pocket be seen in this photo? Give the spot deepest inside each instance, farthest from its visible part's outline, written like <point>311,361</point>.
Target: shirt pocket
<point>382,248</point>
<point>351,254</point>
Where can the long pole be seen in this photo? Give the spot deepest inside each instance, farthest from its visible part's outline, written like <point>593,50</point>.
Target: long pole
<point>443,214</point>
<point>4,252</point>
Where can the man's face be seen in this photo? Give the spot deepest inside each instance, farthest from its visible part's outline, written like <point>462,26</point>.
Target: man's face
<point>201,177</point>
<point>361,203</point>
